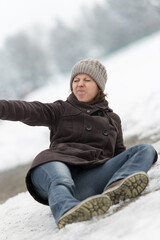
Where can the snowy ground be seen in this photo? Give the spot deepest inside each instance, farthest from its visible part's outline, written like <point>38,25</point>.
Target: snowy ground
<point>133,87</point>
<point>23,218</point>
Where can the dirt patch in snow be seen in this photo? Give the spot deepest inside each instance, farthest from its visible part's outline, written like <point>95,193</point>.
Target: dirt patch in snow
<point>12,182</point>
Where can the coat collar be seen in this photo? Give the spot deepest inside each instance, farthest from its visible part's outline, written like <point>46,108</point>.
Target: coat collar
<point>88,108</point>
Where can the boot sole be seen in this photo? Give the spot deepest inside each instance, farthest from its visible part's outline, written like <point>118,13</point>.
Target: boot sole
<point>93,206</point>
<point>131,187</point>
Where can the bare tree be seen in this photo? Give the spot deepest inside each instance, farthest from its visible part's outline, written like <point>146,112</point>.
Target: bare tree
<point>25,66</point>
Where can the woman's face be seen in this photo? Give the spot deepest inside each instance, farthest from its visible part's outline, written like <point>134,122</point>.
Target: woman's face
<point>84,88</point>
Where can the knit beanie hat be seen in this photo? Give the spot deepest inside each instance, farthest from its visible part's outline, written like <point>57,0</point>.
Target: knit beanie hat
<point>93,68</point>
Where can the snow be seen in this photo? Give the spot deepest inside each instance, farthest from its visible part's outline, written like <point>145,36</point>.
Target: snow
<point>134,86</point>
<point>133,92</point>
<point>23,218</point>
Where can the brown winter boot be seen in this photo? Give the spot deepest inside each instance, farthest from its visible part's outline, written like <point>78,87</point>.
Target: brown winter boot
<point>127,188</point>
<point>93,206</point>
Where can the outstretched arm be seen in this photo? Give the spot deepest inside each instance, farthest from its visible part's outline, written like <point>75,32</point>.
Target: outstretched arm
<point>31,113</point>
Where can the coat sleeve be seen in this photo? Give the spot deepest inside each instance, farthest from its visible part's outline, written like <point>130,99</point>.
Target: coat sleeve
<point>120,147</point>
<point>31,113</point>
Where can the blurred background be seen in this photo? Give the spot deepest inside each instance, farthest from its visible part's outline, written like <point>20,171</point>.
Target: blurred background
<point>40,41</point>
<point>42,38</point>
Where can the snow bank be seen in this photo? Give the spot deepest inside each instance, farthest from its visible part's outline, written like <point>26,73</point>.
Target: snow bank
<point>134,86</point>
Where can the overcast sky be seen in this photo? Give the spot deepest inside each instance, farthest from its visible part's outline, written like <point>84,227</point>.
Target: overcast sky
<point>16,15</point>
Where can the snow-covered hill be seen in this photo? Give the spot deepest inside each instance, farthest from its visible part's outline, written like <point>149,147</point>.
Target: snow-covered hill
<point>133,92</point>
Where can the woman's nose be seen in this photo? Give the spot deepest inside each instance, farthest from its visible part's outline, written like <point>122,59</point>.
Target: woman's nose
<point>80,83</point>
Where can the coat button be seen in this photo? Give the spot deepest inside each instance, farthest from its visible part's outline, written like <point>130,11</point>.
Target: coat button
<point>89,127</point>
<point>105,132</point>
<point>100,113</point>
<point>88,111</point>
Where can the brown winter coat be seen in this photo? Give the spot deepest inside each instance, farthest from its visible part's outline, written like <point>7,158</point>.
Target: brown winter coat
<point>80,134</point>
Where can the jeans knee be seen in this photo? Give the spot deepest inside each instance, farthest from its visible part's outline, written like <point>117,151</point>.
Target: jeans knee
<point>149,151</point>
<point>63,181</point>
<point>147,147</point>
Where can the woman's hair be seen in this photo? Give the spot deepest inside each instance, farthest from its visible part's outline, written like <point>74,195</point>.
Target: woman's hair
<point>99,97</point>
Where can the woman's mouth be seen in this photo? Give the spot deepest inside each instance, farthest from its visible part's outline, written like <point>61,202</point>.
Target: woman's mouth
<point>80,91</point>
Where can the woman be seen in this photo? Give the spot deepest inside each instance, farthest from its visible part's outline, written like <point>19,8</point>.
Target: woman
<point>87,167</point>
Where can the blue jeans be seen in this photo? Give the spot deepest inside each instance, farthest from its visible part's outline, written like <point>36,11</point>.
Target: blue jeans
<point>66,186</point>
